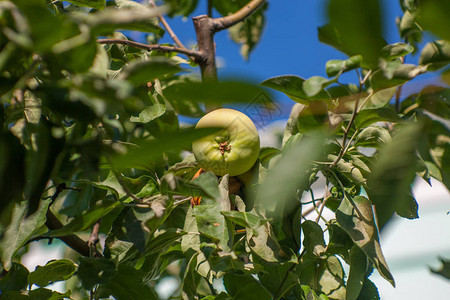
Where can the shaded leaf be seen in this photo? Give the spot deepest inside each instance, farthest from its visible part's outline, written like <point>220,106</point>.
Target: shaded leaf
<point>396,50</point>
<point>433,17</point>
<point>53,271</point>
<point>92,271</point>
<point>389,185</point>
<point>97,4</point>
<point>127,284</point>
<point>85,221</point>
<point>244,286</point>
<point>436,54</point>
<point>21,229</point>
<point>16,278</point>
<point>143,71</point>
<point>356,218</point>
<point>293,87</point>
<point>369,116</point>
<point>357,274</point>
<point>444,270</point>
<point>362,35</point>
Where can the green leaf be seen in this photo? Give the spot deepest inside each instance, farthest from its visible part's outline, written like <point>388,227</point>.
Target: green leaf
<point>214,92</point>
<point>337,66</point>
<point>246,219</point>
<point>143,71</point>
<point>288,174</point>
<point>369,116</point>
<point>92,271</point>
<point>389,185</point>
<point>150,113</point>
<point>373,136</point>
<point>244,286</point>
<point>96,4</point>
<point>148,151</point>
<point>53,271</point>
<point>16,278</point>
<point>369,291</point>
<point>21,229</point>
<point>436,55</point>
<point>444,270</point>
<point>311,295</point>
<point>213,224</point>
<point>46,294</point>
<point>279,279</point>
<point>12,170</point>
<point>313,242</point>
<point>263,242</point>
<point>181,7</point>
<point>363,35</point>
<point>85,221</point>
<point>357,274</point>
<point>325,275</point>
<point>293,87</point>
<point>312,86</point>
<point>392,51</point>
<point>136,17</point>
<point>433,17</point>
<point>409,29</point>
<point>356,218</point>
<point>41,160</point>
<point>398,75</point>
<point>127,284</point>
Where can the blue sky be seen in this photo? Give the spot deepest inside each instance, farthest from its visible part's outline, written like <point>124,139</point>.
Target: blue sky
<point>289,44</point>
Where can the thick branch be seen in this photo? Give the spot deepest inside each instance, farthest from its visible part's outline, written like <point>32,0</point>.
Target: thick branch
<point>240,15</point>
<point>193,53</point>
<point>72,240</point>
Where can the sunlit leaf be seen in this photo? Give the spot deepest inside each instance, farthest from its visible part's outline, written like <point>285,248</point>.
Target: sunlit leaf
<point>336,66</point>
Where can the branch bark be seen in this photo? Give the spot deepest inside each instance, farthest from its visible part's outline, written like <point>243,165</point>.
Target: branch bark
<point>168,28</point>
<point>240,15</point>
<point>189,53</point>
<point>72,240</point>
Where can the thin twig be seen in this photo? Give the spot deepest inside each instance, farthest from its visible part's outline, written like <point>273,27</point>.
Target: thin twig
<point>168,28</point>
<point>310,210</point>
<point>277,293</point>
<point>321,209</point>
<point>398,91</point>
<point>193,53</point>
<point>93,238</point>
<point>228,21</point>
<point>362,81</point>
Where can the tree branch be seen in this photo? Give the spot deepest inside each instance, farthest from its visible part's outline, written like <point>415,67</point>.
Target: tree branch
<point>244,12</point>
<point>193,53</point>
<point>168,28</point>
<point>72,240</point>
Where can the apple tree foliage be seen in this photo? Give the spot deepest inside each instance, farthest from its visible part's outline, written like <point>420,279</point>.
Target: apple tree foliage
<point>91,143</point>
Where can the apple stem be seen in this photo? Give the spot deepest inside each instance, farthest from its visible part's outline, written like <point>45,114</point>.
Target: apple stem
<point>224,147</point>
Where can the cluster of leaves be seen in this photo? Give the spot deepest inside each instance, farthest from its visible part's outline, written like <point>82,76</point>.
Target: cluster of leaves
<point>91,132</point>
